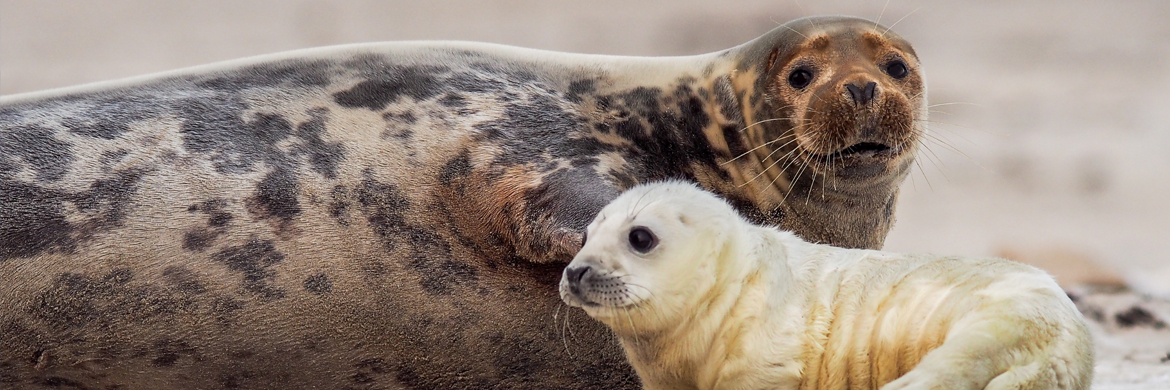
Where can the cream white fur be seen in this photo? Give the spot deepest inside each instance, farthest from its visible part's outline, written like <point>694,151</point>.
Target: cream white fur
<point>720,303</point>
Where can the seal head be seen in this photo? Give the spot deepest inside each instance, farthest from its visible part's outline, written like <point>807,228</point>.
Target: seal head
<point>651,259</point>
<point>834,116</point>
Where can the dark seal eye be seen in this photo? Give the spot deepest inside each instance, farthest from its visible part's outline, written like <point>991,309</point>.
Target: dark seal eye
<point>642,240</point>
<point>897,69</point>
<point>800,78</point>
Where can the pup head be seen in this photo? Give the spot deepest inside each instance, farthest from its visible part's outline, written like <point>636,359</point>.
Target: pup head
<point>650,255</point>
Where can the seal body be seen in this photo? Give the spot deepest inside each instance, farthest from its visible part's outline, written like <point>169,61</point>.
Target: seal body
<point>702,299</point>
<point>397,214</point>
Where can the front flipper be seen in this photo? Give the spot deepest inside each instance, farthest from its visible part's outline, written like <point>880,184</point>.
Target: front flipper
<point>556,213</point>
<point>522,212</point>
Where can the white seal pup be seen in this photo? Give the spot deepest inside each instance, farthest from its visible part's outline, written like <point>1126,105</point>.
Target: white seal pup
<point>702,299</point>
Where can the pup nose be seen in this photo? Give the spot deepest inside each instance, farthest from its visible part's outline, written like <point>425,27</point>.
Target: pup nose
<point>862,96</point>
<point>575,274</point>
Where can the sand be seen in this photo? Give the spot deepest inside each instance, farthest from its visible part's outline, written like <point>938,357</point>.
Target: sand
<point>1048,141</point>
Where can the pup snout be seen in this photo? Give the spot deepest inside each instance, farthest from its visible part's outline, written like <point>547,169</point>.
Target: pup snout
<point>574,275</point>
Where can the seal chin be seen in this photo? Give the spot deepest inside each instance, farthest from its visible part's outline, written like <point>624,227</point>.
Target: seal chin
<point>862,159</point>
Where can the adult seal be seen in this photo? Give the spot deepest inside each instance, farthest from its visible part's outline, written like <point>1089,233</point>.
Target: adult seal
<point>398,214</point>
<point>702,299</point>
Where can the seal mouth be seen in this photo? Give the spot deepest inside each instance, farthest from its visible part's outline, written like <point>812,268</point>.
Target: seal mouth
<point>864,149</point>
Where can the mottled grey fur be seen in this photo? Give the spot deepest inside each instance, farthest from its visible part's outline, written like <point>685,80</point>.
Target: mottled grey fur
<point>378,216</point>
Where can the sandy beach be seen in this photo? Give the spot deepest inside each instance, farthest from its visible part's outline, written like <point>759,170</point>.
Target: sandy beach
<point>1048,125</point>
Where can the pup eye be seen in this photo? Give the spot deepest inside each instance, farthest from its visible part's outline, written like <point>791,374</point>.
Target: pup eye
<point>897,69</point>
<point>584,236</point>
<point>642,240</point>
<point>800,78</point>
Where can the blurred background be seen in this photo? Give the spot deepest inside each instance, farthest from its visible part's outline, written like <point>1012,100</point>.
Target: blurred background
<point>1050,133</point>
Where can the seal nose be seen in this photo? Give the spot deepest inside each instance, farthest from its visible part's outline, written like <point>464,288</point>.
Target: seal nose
<point>862,96</point>
<point>574,275</point>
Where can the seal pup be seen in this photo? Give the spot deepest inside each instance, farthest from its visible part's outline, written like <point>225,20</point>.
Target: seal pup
<point>703,299</point>
<point>398,214</point>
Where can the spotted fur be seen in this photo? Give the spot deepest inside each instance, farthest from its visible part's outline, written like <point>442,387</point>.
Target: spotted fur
<point>381,215</point>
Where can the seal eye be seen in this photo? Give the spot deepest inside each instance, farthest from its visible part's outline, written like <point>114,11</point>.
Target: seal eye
<point>642,240</point>
<point>800,78</point>
<point>584,236</point>
<point>897,69</point>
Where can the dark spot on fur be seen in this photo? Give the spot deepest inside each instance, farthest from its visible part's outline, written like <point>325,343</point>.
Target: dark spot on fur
<point>430,254</point>
<point>36,146</point>
<point>183,279</point>
<point>214,125</point>
<point>281,74</point>
<point>216,216</point>
<point>199,239</point>
<point>111,157</point>
<point>457,168</point>
<point>225,309</point>
<point>414,82</point>
<point>534,128</point>
<point>515,357</point>
<point>74,301</point>
<point>452,100</point>
<point>59,382</point>
<point>368,370</point>
<point>32,221</point>
<point>104,129</point>
<point>33,218</point>
<point>318,284</point>
<point>323,156</point>
<point>219,219</point>
<point>167,352</point>
<point>578,88</point>
<point>386,205</point>
<point>1138,316</point>
<point>276,195</point>
<point>735,144</point>
<point>339,206</point>
<point>254,260</point>
<point>236,379</point>
<point>408,117</point>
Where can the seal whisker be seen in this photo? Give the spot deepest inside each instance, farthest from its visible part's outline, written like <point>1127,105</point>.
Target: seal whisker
<point>923,172</point>
<point>794,30</point>
<point>561,330</point>
<point>776,161</point>
<point>796,177</point>
<point>900,20</point>
<point>765,159</point>
<point>880,14</point>
<point>935,161</point>
<point>633,328</point>
<point>954,104</point>
<point>959,126</point>
<point>786,156</point>
<point>936,138</point>
<point>778,139</point>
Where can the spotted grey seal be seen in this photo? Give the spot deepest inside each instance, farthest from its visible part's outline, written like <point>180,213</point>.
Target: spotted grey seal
<point>397,214</point>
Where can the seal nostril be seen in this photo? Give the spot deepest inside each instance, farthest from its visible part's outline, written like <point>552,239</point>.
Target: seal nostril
<point>862,95</point>
<point>855,92</point>
<point>574,275</point>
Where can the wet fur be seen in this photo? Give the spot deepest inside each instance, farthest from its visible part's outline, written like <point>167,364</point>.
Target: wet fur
<point>721,303</point>
<point>375,215</point>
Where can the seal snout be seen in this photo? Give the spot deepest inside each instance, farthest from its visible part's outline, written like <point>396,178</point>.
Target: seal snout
<point>574,275</point>
<point>862,95</point>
